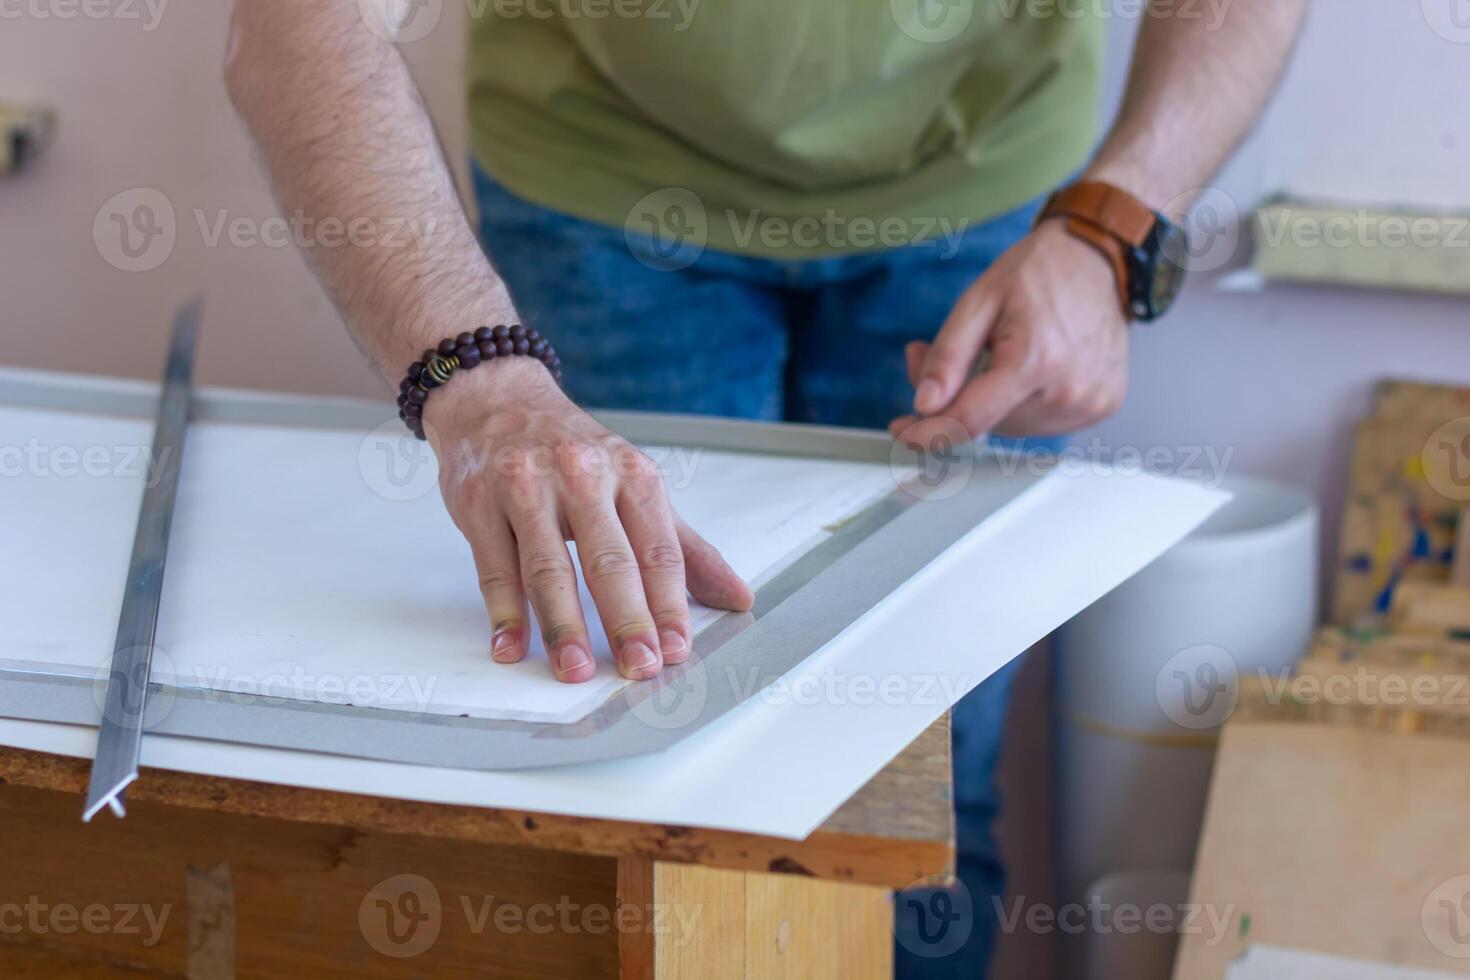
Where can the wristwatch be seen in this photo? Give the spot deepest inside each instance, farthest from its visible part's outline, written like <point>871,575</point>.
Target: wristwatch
<point>1143,246</point>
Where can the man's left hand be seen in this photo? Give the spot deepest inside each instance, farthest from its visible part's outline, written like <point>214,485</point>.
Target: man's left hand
<point>1048,313</point>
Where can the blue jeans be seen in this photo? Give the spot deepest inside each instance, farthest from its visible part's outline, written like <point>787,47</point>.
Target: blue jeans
<point>817,340</point>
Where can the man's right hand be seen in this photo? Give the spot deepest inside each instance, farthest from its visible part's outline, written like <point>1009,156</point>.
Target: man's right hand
<point>523,470</point>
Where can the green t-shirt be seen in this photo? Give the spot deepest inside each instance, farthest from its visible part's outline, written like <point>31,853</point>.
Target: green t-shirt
<point>784,128</point>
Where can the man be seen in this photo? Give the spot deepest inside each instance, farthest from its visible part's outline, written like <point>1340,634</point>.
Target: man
<point>821,210</point>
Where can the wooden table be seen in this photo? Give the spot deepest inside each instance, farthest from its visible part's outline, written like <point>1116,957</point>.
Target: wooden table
<point>212,878</point>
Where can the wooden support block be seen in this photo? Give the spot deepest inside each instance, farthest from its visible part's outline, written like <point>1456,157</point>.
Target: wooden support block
<point>733,925</point>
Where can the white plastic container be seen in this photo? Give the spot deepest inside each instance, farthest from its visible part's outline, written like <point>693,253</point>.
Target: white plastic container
<point>1134,917</point>
<point>1145,676</point>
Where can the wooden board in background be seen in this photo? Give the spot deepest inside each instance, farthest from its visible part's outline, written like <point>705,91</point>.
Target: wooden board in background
<point>1421,399</point>
<point>1328,831</point>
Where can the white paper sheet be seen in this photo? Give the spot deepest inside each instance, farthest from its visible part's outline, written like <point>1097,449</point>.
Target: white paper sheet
<point>287,566</point>
<point>781,763</point>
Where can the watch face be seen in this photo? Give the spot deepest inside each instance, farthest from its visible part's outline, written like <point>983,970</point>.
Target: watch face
<point>1169,251</point>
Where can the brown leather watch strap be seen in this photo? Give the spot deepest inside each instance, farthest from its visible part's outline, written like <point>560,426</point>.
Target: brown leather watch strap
<point>1111,249</point>
<point>1110,208</point>
<point>1109,219</point>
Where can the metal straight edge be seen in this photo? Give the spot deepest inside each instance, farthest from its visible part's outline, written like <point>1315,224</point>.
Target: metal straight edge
<point>120,735</point>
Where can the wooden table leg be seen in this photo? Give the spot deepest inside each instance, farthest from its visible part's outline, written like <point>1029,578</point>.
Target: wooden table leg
<point>712,924</point>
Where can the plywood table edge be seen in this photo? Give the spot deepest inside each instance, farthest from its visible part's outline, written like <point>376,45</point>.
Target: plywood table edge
<point>896,829</point>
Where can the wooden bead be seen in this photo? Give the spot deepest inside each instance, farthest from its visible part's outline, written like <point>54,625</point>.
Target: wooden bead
<point>467,350</point>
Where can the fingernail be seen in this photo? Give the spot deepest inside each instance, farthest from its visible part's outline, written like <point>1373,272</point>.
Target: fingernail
<point>638,659</point>
<point>571,657</point>
<point>926,398</point>
<point>503,649</point>
<point>672,642</point>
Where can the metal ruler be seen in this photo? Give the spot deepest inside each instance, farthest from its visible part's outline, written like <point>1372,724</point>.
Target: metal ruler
<point>120,735</point>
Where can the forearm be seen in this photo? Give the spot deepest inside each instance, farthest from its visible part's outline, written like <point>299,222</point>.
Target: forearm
<point>1194,90</point>
<point>346,138</point>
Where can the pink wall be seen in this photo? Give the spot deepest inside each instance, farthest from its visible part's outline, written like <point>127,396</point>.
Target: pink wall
<point>142,106</point>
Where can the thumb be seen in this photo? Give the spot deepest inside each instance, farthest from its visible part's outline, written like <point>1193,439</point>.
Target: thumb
<point>948,362</point>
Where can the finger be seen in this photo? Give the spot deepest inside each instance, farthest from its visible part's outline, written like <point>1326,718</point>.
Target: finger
<point>711,579</point>
<point>1035,417</point>
<point>613,578</point>
<point>649,522</point>
<point>900,425</point>
<point>989,397</point>
<point>551,584</point>
<point>914,353</point>
<point>498,566</point>
<point>1067,409</point>
<point>948,361</point>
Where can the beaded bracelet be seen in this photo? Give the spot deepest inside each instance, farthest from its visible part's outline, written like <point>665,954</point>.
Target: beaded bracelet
<point>468,350</point>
